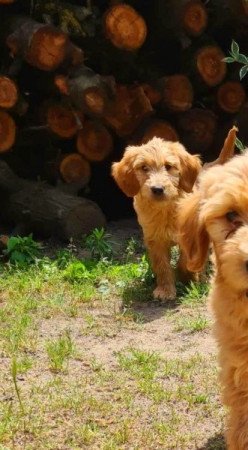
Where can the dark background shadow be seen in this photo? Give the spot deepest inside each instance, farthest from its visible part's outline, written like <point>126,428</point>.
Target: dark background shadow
<point>137,298</point>
<point>216,442</point>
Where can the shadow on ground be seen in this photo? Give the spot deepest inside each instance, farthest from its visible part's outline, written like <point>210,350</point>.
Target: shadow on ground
<point>216,442</point>
<point>138,298</point>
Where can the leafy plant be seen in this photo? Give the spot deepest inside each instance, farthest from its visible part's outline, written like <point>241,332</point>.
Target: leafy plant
<point>63,258</point>
<point>76,271</point>
<point>236,56</point>
<point>146,271</point>
<point>239,144</point>
<point>99,244</point>
<point>22,250</point>
<point>133,246</point>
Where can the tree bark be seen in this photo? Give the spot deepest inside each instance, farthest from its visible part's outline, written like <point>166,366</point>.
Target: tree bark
<point>42,46</point>
<point>44,210</point>
<point>88,91</point>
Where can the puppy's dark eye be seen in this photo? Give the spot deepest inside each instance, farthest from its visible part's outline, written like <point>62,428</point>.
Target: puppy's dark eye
<point>168,166</point>
<point>231,216</point>
<point>145,168</point>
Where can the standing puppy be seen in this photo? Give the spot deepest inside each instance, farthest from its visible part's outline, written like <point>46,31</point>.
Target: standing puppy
<point>156,174</point>
<point>216,213</point>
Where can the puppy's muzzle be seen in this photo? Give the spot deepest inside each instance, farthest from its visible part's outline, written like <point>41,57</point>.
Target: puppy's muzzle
<point>157,190</point>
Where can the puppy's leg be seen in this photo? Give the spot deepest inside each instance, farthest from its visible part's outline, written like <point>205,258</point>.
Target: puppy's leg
<point>237,433</point>
<point>159,255</point>
<point>235,397</point>
<point>182,273</point>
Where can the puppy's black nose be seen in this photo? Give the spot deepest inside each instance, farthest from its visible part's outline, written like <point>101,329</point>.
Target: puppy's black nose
<point>157,190</point>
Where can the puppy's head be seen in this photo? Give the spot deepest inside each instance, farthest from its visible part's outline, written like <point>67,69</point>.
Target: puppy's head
<point>217,212</point>
<point>159,170</point>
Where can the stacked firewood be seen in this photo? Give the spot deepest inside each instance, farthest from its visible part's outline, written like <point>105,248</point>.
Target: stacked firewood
<point>94,77</point>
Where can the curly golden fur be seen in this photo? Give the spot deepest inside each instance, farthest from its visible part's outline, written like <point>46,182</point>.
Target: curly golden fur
<point>217,214</point>
<point>156,174</point>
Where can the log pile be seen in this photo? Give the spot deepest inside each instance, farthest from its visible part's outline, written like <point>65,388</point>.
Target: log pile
<point>87,80</point>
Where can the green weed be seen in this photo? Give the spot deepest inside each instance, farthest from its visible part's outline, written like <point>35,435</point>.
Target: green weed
<point>76,272</point>
<point>59,351</point>
<point>99,244</point>
<point>194,294</point>
<point>22,250</point>
<point>139,363</point>
<point>192,324</point>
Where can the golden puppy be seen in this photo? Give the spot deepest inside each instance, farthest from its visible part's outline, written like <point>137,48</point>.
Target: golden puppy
<point>156,174</point>
<point>217,213</point>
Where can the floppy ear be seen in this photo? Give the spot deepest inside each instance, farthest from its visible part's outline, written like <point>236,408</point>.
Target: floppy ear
<point>124,175</point>
<point>190,168</point>
<point>192,235</point>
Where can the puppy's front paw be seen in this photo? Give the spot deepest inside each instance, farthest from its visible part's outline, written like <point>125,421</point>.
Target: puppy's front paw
<point>164,293</point>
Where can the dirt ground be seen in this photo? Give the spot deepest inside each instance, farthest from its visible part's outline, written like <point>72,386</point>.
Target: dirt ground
<point>143,376</point>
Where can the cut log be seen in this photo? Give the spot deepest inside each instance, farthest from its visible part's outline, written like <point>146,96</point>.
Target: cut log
<point>162,129</point>
<point>177,92</point>
<point>62,121</point>
<point>10,97</point>
<point>74,55</point>
<point>21,106</point>
<point>153,94</point>
<point>227,151</point>
<point>197,128</point>
<point>210,65</point>
<point>7,131</point>
<point>231,96</point>
<point>239,11</point>
<point>74,168</point>
<point>194,18</point>
<point>42,46</point>
<point>130,107</point>
<point>88,91</point>
<point>125,28</point>
<point>44,210</point>
<point>94,142</point>
<point>8,92</point>
<point>245,6</point>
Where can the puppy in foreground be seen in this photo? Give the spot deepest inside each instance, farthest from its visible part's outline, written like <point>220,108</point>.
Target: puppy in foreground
<point>156,175</point>
<point>217,213</point>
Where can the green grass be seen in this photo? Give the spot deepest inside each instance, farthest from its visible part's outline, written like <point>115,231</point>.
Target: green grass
<point>88,362</point>
<point>194,294</point>
<point>192,324</point>
<point>59,351</point>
